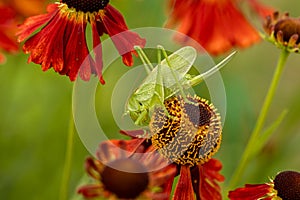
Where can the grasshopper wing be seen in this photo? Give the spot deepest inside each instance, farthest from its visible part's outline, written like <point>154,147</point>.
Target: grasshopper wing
<point>180,61</point>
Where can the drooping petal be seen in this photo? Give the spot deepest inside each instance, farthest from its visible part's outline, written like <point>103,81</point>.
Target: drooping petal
<point>134,175</point>
<point>7,31</point>
<point>209,172</point>
<point>61,43</point>
<point>250,192</point>
<point>176,7</point>
<point>93,167</point>
<point>31,24</point>
<point>111,149</point>
<point>216,25</point>
<point>164,177</point>
<point>90,191</point>
<point>123,39</point>
<point>113,14</point>
<point>184,188</point>
<point>133,133</point>
<point>260,9</point>
<point>77,53</point>
<point>7,43</point>
<point>40,46</point>
<point>97,52</point>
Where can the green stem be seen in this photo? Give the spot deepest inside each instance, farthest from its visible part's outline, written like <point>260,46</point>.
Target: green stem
<point>260,121</point>
<point>64,188</point>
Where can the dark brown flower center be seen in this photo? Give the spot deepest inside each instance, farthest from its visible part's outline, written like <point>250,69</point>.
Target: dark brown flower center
<point>86,5</point>
<point>287,184</point>
<point>288,27</point>
<point>189,134</point>
<point>120,178</point>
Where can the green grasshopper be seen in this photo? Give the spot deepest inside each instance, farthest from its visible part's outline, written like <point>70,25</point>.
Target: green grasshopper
<point>169,77</point>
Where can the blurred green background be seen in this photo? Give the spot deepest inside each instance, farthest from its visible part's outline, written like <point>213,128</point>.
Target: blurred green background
<point>35,109</point>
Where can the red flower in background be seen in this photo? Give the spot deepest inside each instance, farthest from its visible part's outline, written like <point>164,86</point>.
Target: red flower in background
<point>25,8</point>
<point>8,23</point>
<point>118,173</point>
<point>61,43</point>
<point>218,25</point>
<point>12,13</point>
<point>283,31</point>
<point>285,186</point>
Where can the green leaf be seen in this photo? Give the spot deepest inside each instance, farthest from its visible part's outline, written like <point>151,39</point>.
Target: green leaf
<point>264,137</point>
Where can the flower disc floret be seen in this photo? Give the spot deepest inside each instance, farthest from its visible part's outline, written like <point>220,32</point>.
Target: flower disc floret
<point>186,132</point>
<point>283,31</point>
<point>126,185</point>
<point>86,5</point>
<point>287,184</point>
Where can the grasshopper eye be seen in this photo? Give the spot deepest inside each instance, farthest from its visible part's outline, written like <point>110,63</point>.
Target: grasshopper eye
<point>140,104</point>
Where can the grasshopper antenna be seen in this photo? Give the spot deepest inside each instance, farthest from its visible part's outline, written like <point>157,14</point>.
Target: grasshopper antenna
<point>198,79</point>
<point>144,59</point>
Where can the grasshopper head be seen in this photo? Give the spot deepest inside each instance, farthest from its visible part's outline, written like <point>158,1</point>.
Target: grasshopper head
<point>138,111</point>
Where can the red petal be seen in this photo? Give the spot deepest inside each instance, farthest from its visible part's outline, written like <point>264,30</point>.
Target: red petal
<point>168,186</point>
<point>163,177</point>
<point>113,14</point>
<point>113,149</point>
<point>90,191</point>
<point>209,188</point>
<point>76,53</point>
<point>133,133</point>
<point>217,25</point>
<point>176,8</point>
<point>127,59</point>
<point>260,9</point>
<point>97,48</point>
<point>124,42</point>
<point>250,192</point>
<point>93,168</point>
<point>7,43</point>
<point>184,188</point>
<point>41,46</point>
<point>7,30</point>
<point>7,15</point>
<point>2,58</point>
<point>31,24</point>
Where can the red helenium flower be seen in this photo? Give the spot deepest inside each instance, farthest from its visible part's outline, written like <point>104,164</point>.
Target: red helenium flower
<point>118,173</point>
<point>218,25</point>
<point>7,29</point>
<point>285,186</point>
<point>283,31</point>
<point>199,181</point>
<point>61,43</point>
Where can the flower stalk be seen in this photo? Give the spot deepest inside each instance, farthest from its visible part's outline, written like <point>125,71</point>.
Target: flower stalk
<point>68,161</point>
<point>246,156</point>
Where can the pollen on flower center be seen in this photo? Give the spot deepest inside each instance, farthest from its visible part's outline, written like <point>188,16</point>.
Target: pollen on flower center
<point>86,5</point>
<point>189,134</point>
<point>120,178</point>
